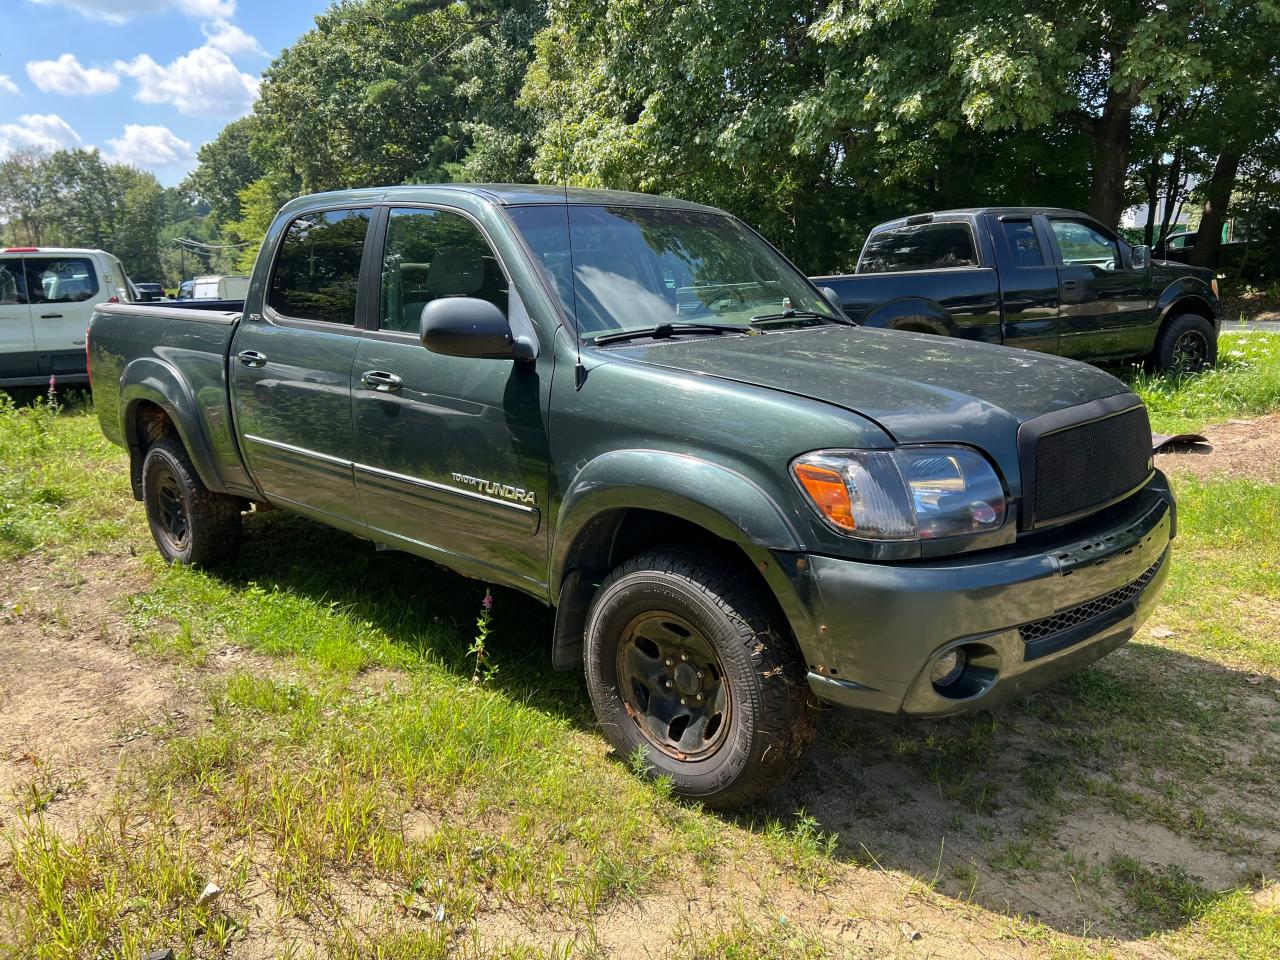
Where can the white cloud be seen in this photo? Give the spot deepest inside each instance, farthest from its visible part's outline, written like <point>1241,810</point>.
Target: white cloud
<point>35,131</point>
<point>202,83</point>
<point>148,146</point>
<point>66,76</point>
<point>122,11</point>
<point>230,39</point>
<point>7,85</point>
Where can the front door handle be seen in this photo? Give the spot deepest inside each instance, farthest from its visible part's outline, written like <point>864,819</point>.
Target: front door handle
<point>252,358</point>
<point>50,316</point>
<point>381,381</point>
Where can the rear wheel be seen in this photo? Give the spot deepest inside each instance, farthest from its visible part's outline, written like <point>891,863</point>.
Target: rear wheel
<point>191,524</point>
<point>1186,343</point>
<point>684,664</point>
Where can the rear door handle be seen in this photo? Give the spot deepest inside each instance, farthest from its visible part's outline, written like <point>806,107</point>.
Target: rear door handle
<point>252,358</point>
<point>50,316</point>
<point>381,381</point>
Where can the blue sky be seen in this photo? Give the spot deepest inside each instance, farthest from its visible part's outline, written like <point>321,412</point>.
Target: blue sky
<point>145,81</point>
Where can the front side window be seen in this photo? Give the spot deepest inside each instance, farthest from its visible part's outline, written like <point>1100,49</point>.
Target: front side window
<point>1082,245</point>
<point>922,246</point>
<point>431,254</point>
<point>13,285</point>
<point>1024,246</point>
<point>317,270</point>
<point>61,279</point>
<point>632,268</point>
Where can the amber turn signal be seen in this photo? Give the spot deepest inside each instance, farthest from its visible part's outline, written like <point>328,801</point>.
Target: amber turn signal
<point>827,490</point>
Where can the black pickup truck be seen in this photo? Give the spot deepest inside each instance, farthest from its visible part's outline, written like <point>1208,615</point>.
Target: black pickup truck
<point>1046,279</point>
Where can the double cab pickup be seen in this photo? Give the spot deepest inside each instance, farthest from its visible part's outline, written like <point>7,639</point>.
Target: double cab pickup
<point>636,410</point>
<point>1041,278</point>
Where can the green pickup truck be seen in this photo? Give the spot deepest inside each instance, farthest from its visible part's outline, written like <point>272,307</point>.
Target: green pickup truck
<point>635,409</point>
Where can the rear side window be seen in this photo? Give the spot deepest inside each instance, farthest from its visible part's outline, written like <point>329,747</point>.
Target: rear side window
<point>317,270</point>
<point>925,246</point>
<point>1024,245</point>
<point>13,285</point>
<point>432,254</point>
<point>61,279</point>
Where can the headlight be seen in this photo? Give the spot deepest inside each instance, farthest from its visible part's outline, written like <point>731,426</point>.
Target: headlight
<point>905,494</point>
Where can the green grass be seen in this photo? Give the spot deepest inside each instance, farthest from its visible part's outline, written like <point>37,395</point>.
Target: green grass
<point>353,766</point>
<point>1246,382</point>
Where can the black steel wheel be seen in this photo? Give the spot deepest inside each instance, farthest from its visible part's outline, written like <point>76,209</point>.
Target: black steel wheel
<point>673,685</point>
<point>687,663</point>
<point>190,524</point>
<point>1187,343</point>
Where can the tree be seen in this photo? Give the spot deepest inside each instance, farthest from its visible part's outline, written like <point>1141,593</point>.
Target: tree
<point>25,196</point>
<point>228,164</point>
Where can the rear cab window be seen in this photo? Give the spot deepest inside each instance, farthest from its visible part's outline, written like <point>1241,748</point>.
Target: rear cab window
<point>920,246</point>
<point>317,268</point>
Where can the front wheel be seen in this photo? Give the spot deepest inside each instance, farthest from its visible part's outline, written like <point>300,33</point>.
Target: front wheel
<point>685,664</point>
<point>191,524</point>
<point>1187,343</point>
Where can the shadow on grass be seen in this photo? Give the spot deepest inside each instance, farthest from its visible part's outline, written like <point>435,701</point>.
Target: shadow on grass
<point>425,607</point>
<point>1121,801</point>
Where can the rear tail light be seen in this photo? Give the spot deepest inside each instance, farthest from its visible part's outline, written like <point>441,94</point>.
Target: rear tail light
<point>113,300</point>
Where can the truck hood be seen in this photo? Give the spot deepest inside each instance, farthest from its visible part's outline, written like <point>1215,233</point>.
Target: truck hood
<point>917,387</point>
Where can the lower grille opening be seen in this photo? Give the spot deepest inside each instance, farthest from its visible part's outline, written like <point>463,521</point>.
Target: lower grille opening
<point>1041,635</point>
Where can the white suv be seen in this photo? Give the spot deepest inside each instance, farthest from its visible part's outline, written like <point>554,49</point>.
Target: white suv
<point>47,296</point>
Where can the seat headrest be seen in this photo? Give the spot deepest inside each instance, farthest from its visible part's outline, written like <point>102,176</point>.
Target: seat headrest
<point>455,273</point>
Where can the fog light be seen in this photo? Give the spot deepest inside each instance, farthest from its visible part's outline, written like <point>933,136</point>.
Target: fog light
<point>947,668</point>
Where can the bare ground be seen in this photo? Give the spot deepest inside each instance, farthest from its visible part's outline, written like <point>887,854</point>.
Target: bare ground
<point>1237,448</point>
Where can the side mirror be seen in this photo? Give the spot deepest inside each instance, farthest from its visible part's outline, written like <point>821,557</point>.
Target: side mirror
<point>833,298</point>
<point>470,327</point>
<point>1141,257</point>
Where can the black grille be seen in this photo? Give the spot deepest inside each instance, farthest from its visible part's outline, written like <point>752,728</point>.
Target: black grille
<point>1091,464</point>
<point>1038,630</point>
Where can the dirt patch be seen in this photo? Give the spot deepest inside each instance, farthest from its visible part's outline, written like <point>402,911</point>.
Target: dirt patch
<point>1237,448</point>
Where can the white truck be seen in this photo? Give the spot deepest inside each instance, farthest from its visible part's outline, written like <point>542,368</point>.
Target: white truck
<point>47,295</point>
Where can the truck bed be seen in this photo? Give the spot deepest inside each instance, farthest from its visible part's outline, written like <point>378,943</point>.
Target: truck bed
<point>174,357</point>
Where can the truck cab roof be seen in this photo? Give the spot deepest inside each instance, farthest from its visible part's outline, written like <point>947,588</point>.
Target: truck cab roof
<point>502,194</point>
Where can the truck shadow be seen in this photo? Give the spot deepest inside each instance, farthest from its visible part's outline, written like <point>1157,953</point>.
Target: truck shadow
<point>1125,800</point>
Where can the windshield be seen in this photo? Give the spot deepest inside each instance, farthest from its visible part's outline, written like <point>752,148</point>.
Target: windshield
<point>637,267</point>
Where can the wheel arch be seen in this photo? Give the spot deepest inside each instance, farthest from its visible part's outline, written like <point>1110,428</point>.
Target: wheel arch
<point>605,521</point>
<point>156,403</point>
<point>916,314</point>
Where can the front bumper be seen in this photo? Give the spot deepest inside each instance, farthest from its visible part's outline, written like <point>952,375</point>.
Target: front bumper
<point>1025,615</point>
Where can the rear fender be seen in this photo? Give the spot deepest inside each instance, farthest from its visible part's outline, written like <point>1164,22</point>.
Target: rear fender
<point>150,380</point>
<point>915,313</point>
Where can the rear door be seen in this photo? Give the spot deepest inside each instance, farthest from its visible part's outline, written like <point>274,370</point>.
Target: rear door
<point>452,455</point>
<point>17,346</point>
<point>290,367</point>
<point>1028,282</point>
<point>63,290</point>
<point>1105,302</point>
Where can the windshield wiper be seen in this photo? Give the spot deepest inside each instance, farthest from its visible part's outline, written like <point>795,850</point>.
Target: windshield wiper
<point>787,315</point>
<point>664,330</point>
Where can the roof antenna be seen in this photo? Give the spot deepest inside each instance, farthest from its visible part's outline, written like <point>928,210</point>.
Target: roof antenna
<point>579,371</point>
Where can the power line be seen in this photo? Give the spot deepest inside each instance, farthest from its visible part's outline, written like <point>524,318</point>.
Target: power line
<point>187,242</point>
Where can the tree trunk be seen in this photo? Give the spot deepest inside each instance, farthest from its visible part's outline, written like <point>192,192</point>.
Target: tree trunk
<point>1217,196</point>
<point>1111,156</point>
<point>1172,189</point>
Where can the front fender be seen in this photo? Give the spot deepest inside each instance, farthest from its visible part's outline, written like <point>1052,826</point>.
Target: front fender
<point>1187,289</point>
<point>721,501</point>
<point>149,379</point>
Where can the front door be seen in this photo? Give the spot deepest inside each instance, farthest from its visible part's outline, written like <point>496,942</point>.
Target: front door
<point>17,346</point>
<point>1105,302</point>
<point>63,291</point>
<point>451,452</point>
<point>290,368</point>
